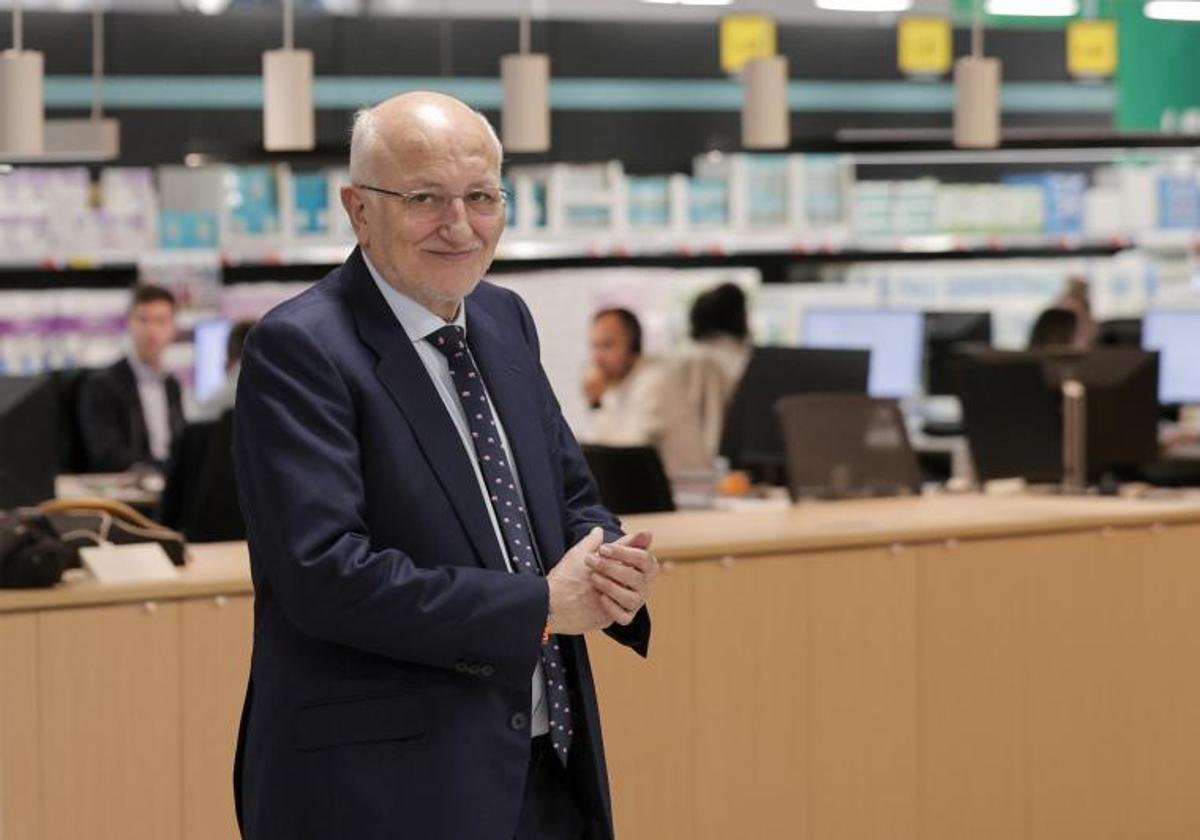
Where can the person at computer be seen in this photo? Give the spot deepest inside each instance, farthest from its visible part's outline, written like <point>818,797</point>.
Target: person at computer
<point>720,331</point>
<point>1055,329</point>
<point>221,400</point>
<point>623,387</point>
<point>1076,299</point>
<point>130,411</point>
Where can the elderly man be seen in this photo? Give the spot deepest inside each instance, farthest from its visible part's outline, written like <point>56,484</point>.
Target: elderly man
<point>426,542</point>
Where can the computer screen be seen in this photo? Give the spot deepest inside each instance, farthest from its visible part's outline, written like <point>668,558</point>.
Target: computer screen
<point>894,337</point>
<point>210,339</point>
<point>751,438</point>
<point>28,440</point>
<point>946,334</point>
<point>1176,337</point>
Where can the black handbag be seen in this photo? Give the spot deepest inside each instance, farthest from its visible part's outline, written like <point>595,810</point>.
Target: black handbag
<point>32,555</point>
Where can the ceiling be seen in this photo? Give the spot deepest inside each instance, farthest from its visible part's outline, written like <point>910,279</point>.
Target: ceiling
<point>785,11</point>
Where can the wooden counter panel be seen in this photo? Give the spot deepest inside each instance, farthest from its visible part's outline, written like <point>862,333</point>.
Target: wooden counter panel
<point>217,634</point>
<point>1165,675</point>
<point>861,616</point>
<point>648,715</point>
<point>109,680</point>
<point>20,759</point>
<point>974,646</point>
<point>751,698</point>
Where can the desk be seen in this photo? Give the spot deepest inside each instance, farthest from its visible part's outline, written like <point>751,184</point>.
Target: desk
<point>136,489</point>
<point>950,667</point>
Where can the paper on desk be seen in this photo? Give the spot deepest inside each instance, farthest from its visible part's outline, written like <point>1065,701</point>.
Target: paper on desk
<point>136,563</point>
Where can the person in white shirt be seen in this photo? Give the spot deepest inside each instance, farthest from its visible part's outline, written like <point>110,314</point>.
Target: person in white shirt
<point>623,388</point>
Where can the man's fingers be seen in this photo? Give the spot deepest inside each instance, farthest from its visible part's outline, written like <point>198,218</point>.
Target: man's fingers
<point>592,541</point>
<point>615,611</point>
<point>627,598</point>
<point>641,539</point>
<point>639,558</point>
<point>628,576</point>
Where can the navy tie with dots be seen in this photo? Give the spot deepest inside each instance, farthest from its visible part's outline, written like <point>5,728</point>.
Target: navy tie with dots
<point>509,509</point>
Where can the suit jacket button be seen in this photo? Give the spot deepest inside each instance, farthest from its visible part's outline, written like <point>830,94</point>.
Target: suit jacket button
<point>487,670</point>
<point>473,670</point>
<point>519,720</point>
<point>461,667</point>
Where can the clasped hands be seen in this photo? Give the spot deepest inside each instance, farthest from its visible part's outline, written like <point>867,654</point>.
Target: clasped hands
<point>596,584</point>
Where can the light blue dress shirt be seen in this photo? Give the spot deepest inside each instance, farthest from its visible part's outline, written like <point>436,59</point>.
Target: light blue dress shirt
<point>418,322</point>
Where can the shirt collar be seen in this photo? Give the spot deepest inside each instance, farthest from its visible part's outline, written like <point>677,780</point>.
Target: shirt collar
<point>417,321</point>
<point>143,372</point>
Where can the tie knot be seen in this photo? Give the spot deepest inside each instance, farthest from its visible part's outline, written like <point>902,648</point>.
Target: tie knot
<point>449,339</point>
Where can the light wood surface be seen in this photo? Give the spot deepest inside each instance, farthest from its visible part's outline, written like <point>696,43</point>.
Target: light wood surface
<point>933,669</point>
<point>20,761</point>
<point>108,691</point>
<point>216,633</point>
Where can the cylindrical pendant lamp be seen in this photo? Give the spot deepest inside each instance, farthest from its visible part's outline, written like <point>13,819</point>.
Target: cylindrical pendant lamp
<point>525,115</point>
<point>22,115</point>
<point>288,121</point>
<point>766,118</point>
<point>977,102</point>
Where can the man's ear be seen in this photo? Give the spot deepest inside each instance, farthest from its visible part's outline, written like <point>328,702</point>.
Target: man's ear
<point>356,210</point>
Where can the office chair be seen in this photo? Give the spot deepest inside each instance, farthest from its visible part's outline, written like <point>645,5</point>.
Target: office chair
<point>200,496</point>
<point>630,479</point>
<point>845,446</point>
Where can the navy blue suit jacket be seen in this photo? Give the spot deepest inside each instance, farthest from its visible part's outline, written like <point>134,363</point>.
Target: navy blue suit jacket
<point>390,682</point>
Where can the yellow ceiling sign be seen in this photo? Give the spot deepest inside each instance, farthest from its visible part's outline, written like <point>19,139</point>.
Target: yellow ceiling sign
<point>923,46</point>
<point>745,37</point>
<point>1092,48</point>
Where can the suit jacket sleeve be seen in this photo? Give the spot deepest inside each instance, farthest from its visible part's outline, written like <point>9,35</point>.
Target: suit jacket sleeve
<point>302,495</point>
<point>103,423</point>
<point>582,503</point>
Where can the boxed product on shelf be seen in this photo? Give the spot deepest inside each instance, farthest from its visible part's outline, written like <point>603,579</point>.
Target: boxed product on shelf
<point>252,196</point>
<point>766,190</point>
<point>1064,196</point>
<point>1178,201</point>
<point>708,202</point>
<point>310,204</point>
<point>649,201</point>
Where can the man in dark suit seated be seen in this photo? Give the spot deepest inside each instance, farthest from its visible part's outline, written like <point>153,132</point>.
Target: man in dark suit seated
<point>426,542</point>
<point>130,411</point>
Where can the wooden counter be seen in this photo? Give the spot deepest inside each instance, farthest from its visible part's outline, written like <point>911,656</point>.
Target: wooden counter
<point>954,667</point>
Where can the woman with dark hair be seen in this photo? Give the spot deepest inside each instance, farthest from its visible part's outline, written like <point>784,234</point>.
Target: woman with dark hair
<point>720,330</point>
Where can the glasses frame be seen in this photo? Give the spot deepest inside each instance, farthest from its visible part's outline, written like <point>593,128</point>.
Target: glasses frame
<point>406,195</point>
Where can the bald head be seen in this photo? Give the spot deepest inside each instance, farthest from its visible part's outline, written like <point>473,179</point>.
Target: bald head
<point>417,125</point>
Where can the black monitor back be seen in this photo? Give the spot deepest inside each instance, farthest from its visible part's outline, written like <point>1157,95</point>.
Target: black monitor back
<point>1015,430</point>
<point>1121,408</point>
<point>751,438</point>
<point>1012,416</point>
<point>946,333</point>
<point>28,440</point>
<point>630,479</point>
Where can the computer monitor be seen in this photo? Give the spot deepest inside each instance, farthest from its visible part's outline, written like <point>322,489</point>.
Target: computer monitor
<point>28,440</point>
<point>751,438</point>
<point>1176,337</point>
<point>210,339</point>
<point>946,333</point>
<point>894,337</point>
<point>1012,410</point>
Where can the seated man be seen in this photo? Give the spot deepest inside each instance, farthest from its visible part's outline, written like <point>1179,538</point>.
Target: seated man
<point>622,387</point>
<point>130,411</point>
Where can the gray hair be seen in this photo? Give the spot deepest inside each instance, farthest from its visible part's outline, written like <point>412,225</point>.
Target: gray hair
<point>364,137</point>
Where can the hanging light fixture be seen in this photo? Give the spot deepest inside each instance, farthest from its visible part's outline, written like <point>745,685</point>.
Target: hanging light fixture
<point>977,94</point>
<point>22,112</point>
<point>97,137</point>
<point>1172,9</point>
<point>1033,8</point>
<point>288,119</point>
<point>883,6</point>
<point>525,115</point>
<point>766,119</point>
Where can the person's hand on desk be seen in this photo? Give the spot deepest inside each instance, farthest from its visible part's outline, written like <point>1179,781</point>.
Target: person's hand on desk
<point>623,573</point>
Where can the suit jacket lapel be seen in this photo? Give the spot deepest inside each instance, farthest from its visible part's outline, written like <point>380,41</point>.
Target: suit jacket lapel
<point>406,380</point>
<point>512,385</point>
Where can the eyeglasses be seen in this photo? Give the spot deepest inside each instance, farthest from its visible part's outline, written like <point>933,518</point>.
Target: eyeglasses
<point>427,205</point>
